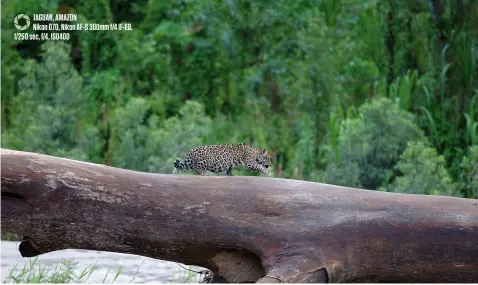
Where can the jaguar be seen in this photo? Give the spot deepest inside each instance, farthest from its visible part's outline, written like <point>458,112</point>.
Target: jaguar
<point>223,158</point>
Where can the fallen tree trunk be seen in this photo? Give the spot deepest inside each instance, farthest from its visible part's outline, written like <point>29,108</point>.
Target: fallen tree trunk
<point>243,228</point>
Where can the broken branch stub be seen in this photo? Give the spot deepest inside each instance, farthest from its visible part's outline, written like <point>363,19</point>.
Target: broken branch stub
<point>245,229</point>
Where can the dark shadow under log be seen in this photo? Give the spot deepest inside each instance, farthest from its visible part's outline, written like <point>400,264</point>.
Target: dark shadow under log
<point>245,229</point>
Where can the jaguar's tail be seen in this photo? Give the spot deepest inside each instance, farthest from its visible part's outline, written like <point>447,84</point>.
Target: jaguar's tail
<point>179,165</point>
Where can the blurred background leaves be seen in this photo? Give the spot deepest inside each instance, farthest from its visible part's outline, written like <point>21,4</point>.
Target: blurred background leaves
<point>378,95</point>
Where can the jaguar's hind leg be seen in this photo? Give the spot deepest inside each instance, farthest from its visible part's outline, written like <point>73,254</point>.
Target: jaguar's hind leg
<point>202,172</point>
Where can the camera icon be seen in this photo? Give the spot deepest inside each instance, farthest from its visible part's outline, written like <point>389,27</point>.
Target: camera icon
<point>19,20</point>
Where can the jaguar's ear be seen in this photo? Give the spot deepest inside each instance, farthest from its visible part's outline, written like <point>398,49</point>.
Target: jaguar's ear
<point>264,151</point>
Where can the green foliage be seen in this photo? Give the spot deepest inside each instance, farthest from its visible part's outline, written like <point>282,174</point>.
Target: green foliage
<point>302,78</point>
<point>176,136</point>
<point>422,171</point>
<point>371,143</point>
<point>48,109</point>
<point>130,135</point>
<point>305,149</point>
<point>402,90</point>
<point>11,236</point>
<point>33,272</point>
<point>65,272</point>
<point>469,173</point>
<point>334,174</point>
<point>142,142</point>
<point>471,129</point>
<point>185,275</point>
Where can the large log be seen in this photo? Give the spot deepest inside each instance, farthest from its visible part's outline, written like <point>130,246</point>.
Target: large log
<point>245,229</point>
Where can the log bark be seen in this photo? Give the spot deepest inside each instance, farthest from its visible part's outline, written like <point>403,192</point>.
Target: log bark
<point>245,229</point>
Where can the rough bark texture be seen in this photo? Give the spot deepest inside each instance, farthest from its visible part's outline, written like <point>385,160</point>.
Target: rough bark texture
<point>245,229</point>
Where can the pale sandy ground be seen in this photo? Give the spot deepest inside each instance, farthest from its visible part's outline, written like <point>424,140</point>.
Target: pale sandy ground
<point>151,271</point>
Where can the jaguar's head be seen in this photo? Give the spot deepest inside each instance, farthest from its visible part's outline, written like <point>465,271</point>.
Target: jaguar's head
<point>263,158</point>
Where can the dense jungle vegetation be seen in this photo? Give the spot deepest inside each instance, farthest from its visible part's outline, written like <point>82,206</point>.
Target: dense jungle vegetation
<point>371,94</point>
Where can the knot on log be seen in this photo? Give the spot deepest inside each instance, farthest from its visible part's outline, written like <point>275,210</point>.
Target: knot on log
<point>239,266</point>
